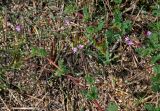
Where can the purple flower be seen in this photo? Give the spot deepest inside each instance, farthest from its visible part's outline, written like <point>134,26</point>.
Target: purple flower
<point>147,33</point>
<point>18,28</point>
<point>74,50</point>
<point>66,22</point>
<point>80,46</point>
<point>128,41</point>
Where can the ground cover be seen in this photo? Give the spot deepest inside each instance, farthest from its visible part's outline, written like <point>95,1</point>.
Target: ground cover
<point>80,55</point>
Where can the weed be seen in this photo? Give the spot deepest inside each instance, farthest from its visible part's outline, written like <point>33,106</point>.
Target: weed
<point>151,107</point>
<point>91,93</point>
<point>62,70</point>
<point>40,52</point>
<point>152,49</point>
<point>112,107</point>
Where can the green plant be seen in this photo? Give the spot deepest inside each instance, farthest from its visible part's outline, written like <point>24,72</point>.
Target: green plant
<point>103,52</point>
<point>118,27</point>
<point>112,107</point>
<point>156,10</point>
<point>151,107</point>
<point>117,1</point>
<point>91,93</point>
<point>86,15</point>
<point>152,49</point>
<point>62,68</point>
<point>70,9</point>
<point>40,52</point>
<point>3,85</point>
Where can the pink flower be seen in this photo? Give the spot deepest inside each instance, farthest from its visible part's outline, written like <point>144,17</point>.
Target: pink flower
<point>66,22</point>
<point>74,50</point>
<point>128,41</point>
<point>18,28</point>
<point>147,33</point>
<point>80,46</point>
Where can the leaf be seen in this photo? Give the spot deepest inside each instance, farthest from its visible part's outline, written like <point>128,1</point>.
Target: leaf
<point>157,109</point>
<point>155,26</point>
<point>156,83</point>
<point>117,1</point>
<point>69,9</point>
<point>100,25</point>
<point>149,107</point>
<point>144,52</point>
<point>126,26</point>
<point>38,52</point>
<point>92,93</point>
<point>156,10</point>
<point>156,68</point>
<point>154,39</point>
<point>112,107</point>
<point>117,16</point>
<point>89,79</point>
<point>42,52</point>
<point>90,29</point>
<point>155,59</point>
<point>86,14</point>
<point>34,51</point>
<point>63,69</point>
<point>110,36</point>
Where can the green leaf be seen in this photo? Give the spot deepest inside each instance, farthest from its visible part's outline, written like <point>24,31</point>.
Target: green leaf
<point>155,26</point>
<point>111,36</point>
<point>112,107</point>
<point>155,59</point>
<point>156,10</point>
<point>100,25</point>
<point>157,109</point>
<point>117,1</point>
<point>86,14</point>
<point>156,68</point>
<point>63,69</point>
<point>89,79</point>
<point>126,27</point>
<point>156,83</point>
<point>149,107</point>
<point>154,39</point>
<point>117,16</point>
<point>42,52</point>
<point>90,29</point>
<point>34,51</point>
<point>144,52</point>
<point>92,93</point>
<point>69,9</point>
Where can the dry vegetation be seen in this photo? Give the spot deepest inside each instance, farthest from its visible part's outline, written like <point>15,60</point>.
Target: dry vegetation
<point>41,71</point>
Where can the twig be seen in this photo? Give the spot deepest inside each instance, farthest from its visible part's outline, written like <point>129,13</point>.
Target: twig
<point>23,108</point>
<point>97,105</point>
<point>53,63</point>
<point>4,104</point>
<point>41,99</point>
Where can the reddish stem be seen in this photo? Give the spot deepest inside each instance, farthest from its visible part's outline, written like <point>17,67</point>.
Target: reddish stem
<point>98,105</point>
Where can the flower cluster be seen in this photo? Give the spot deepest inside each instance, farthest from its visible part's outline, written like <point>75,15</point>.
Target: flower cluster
<point>75,49</point>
